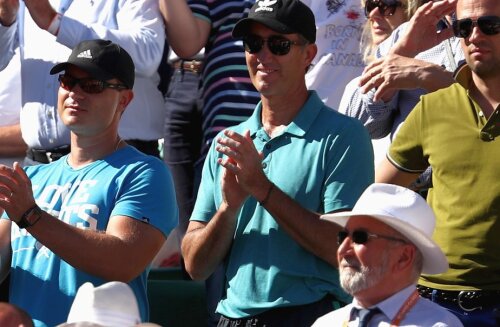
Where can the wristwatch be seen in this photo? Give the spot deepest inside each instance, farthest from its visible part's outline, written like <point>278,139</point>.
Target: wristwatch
<point>30,217</point>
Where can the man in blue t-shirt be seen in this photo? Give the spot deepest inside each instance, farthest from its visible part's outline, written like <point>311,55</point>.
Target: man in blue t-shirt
<point>266,181</point>
<point>98,214</point>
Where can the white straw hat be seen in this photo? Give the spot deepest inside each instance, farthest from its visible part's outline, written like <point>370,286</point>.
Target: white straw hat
<point>112,305</point>
<point>405,211</point>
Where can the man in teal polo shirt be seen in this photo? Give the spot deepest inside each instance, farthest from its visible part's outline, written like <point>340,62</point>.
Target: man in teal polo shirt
<point>266,181</point>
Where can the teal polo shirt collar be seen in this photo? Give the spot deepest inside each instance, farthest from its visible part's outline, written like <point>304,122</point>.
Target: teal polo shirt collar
<point>300,124</point>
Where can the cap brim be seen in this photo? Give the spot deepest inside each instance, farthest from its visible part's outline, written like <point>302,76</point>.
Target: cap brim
<point>87,66</point>
<point>242,27</point>
<point>435,261</point>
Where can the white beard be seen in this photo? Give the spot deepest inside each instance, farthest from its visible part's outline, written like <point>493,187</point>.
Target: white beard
<point>357,278</point>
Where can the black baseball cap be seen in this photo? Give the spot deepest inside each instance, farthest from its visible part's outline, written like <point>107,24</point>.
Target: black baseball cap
<point>282,16</point>
<point>102,59</point>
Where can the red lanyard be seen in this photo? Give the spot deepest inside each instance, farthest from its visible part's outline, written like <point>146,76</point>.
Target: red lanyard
<point>409,303</point>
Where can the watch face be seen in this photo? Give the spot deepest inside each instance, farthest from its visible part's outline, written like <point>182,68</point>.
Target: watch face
<point>30,217</point>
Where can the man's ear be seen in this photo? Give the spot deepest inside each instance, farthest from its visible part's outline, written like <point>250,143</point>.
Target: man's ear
<point>311,51</point>
<point>406,257</point>
<point>126,97</point>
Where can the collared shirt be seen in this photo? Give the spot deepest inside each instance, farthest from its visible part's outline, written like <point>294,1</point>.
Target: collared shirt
<point>444,131</point>
<point>383,118</point>
<point>139,29</point>
<point>424,313</point>
<point>324,161</point>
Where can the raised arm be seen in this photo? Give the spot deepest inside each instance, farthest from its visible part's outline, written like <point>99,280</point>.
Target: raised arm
<point>422,33</point>
<point>120,252</point>
<point>11,141</point>
<point>377,117</point>
<point>186,34</point>
<point>303,225</point>
<point>399,69</point>
<point>8,30</point>
<point>137,27</point>
<point>8,11</point>
<point>205,245</point>
<point>395,72</point>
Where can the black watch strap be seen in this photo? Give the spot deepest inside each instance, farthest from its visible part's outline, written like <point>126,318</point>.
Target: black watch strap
<point>30,217</point>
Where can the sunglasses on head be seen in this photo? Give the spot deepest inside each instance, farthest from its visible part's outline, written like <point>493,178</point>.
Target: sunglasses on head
<point>88,85</point>
<point>489,25</point>
<point>361,237</point>
<point>385,8</point>
<point>278,45</point>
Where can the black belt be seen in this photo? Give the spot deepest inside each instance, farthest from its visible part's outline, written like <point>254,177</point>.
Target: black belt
<point>269,317</point>
<point>193,66</point>
<point>466,300</point>
<point>47,156</point>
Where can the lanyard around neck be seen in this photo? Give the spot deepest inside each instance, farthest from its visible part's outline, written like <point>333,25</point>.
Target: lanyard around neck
<point>405,308</point>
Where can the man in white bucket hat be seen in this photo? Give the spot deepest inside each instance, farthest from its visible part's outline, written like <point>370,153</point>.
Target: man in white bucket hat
<point>385,245</point>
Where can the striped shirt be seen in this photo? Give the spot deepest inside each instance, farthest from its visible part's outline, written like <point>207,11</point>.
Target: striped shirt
<point>229,96</point>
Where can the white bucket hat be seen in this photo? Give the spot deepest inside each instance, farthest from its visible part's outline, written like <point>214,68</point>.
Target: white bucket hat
<point>405,211</point>
<point>111,305</point>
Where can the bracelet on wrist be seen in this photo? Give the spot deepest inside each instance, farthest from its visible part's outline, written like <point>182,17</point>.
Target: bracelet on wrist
<point>268,195</point>
<point>30,217</point>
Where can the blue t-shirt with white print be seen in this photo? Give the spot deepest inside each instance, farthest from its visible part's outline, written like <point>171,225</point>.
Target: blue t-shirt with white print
<point>126,183</point>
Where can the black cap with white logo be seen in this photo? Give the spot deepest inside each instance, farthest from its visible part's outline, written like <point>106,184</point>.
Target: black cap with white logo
<point>102,59</point>
<point>282,16</point>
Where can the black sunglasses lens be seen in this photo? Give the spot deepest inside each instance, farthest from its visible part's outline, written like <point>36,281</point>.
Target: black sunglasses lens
<point>91,86</point>
<point>67,82</point>
<point>489,25</point>
<point>359,237</point>
<point>279,45</point>
<point>253,44</point>
<point>462,28</point>
<point>384,8</point>
<point>341,236</point>
<point>87,85</point>
<point>369,6</point>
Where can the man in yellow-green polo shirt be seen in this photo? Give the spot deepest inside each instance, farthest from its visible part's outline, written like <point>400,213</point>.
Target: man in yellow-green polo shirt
<point>456,130</point>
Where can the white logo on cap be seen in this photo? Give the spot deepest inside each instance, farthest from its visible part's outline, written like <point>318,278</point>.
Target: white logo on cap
<point>85,54</point>
<point>265,5</point>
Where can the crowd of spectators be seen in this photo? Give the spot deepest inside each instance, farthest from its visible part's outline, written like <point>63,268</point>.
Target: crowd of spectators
<point>265,118</point>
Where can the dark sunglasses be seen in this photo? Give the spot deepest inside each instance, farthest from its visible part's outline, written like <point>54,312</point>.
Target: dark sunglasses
<point>361,237</point>
<point>88,85</point>
<point>278,45</point>
<point>489,25</point>
<point>387,8</point>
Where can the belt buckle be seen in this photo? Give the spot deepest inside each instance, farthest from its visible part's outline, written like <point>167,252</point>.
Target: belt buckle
<point>49,156</point>
<point>460,304</point>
